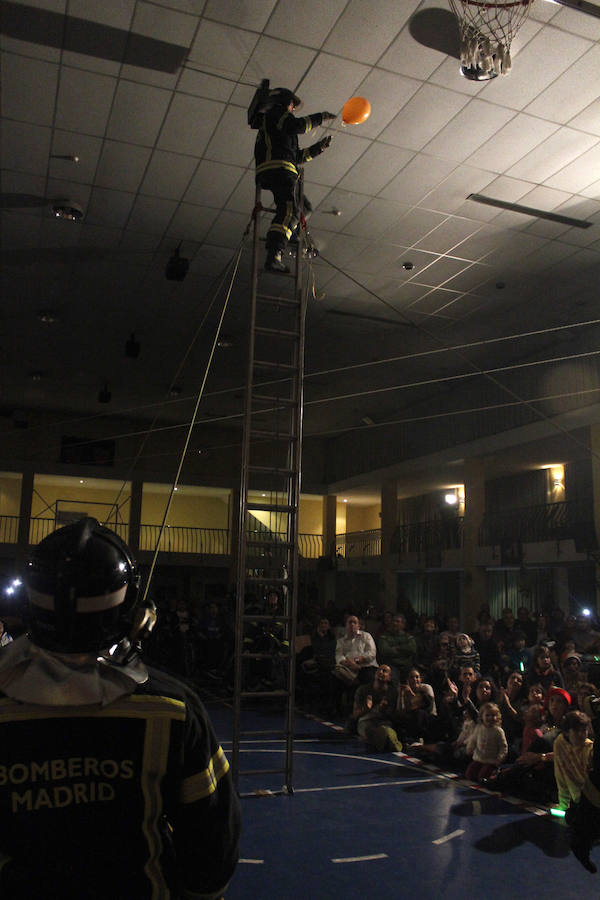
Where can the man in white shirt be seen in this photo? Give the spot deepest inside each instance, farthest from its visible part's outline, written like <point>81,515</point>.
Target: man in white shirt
<point>356,650</point>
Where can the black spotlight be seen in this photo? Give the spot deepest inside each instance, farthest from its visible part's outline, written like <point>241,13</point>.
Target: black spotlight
<point>177,267</point>
<point>132,347</point>
<point>104,396</point>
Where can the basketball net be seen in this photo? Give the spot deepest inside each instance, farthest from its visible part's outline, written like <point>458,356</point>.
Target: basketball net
<point>486,33</point>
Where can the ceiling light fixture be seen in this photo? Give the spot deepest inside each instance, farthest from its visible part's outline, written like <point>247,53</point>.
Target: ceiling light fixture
<point>47,316</point>
<point>68,157</point>
<point>67,209</point>
<point>529,211</point>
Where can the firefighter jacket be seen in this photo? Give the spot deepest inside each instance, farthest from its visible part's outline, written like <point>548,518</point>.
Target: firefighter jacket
<point>277,141</point>
<point>130,800</point>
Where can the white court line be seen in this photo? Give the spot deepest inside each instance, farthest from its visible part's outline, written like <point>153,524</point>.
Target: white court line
<point>350,787</point>
<point>360,858</point>
<point>448,837</point>
<point>252,862</point>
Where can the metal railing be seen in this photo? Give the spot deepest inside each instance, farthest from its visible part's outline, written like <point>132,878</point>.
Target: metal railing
<point>424,537</point>
<point>543,522</point>
<point>358,543</point>
<point>175,539</point>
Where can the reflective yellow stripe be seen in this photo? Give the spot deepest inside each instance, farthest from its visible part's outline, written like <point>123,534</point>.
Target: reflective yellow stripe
<point>276,164</point>
<point>154,767</point>
<point>282,229</point>
<point>202,785</point>
<point>279,124</point>
<point>132,707</point>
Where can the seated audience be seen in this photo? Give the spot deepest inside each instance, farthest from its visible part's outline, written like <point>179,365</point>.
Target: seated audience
<point>398,648</point>
<point>486,646</point>
<point>373,712</point>
<point>486,744</point>
<point>356,652</point>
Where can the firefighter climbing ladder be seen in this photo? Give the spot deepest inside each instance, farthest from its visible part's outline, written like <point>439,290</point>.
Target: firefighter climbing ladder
<point>268,512</point>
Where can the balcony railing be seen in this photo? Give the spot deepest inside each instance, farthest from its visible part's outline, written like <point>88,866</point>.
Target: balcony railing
<point>358,543</point>
<point>427,537</point>
<point>544,522</point>
<point>175,538</point>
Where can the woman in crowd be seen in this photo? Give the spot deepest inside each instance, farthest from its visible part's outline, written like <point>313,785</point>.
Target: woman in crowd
<point>542,671</point>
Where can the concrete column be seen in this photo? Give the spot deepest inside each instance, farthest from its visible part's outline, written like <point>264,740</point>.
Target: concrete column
<point>474,591</point>
<point>135,515</point>
<point>329,518</point>
<point>234,533</point>
<point>389,560</point>
<point>24,517</point>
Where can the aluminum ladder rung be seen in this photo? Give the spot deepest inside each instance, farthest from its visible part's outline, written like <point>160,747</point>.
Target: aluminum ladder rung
<point>269,364</point>
<point>284,401</point>
<point>270,507</point>
<point>276,332</point>
<point>282,301</point>
<point>272,470</point>
<point>273,435</point>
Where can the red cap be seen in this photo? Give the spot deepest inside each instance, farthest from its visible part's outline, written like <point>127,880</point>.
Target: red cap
<point>553,691</point>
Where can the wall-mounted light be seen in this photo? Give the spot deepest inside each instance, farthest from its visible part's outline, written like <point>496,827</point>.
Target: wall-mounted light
<point>557,474</point>
<point>451,498</point>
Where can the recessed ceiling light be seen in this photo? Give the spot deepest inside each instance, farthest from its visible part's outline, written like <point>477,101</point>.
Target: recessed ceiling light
<point>36,376</point>
<point>48,316</point>
<point>68,209</point>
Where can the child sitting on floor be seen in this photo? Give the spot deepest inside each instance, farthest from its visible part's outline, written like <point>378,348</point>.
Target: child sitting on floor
<point>487,744</point>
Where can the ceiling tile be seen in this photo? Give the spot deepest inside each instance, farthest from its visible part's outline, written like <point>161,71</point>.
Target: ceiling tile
<point>115,13</point>
<point>333,164</point>
<point>99,236</point>
<point>110,208</point>
<point>210,260</point>
<point>189,125</point>
<point>375,168</point>
<point>91,63</point>
<point>364,31</point>
<point>84,101</point>
<point>28,89</point>
<point>227,230</point>
<point>284,63</point>
<point>551,155</point>
<point>311,19</point>
<point>572,20</point>
<point>18,229</point>
<point>387,94</point>
<point>145,75</point>
<point>163,24</point>
<point>32,51</point>
<point>168,174</point>
<point>142,128</point>
<point>122,166</point>
<point>58,189</point>
<point>152,214</point>
<point>469,278</point>
<point>451,193</point>
<point>503,188</point>
<point>375,218</point>
<point>233,141</point>
<point>341,249</point>
<point>458,140</point>
<point>329,82</point>
<point>413,227</point>
<point>579,174</point>
<point>212,183</point>
<point>224,49</point>
<point>242,198</point>
<point>247,15</point>
<point>70,143</point>
<point>24,193</point>
<point>415,181</point>
<point>527,77</point>
<point>412,129</point>
<point>201,85</point>
<point>407,57</point>
<point>192,223</point>
<point>512,141</point>
<point>25,147</point>
<point>448,236</point>
<point>572,92</point>
<point>348,204</point>
<point>440,270</point>
<point>448,75</point>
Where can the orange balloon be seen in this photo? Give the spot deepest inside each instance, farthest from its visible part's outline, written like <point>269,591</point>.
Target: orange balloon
<point>355,111</point>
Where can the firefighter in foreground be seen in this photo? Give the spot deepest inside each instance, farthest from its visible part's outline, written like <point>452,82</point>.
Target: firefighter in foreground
<point>112,783</point>
<point>278,157</point>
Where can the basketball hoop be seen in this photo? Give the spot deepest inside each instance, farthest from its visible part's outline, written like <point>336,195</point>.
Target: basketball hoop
<point>486,33</point>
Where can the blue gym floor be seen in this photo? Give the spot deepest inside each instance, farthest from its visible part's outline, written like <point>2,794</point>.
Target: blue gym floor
<point>369,825</point>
